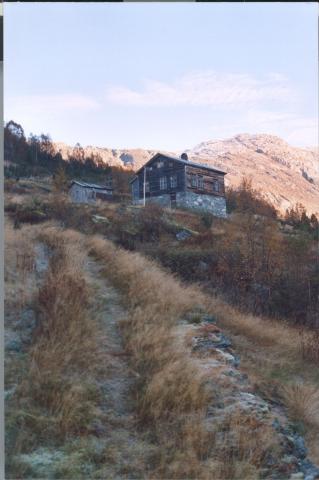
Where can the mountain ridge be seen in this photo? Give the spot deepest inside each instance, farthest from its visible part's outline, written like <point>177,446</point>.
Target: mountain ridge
<point>284,174</point>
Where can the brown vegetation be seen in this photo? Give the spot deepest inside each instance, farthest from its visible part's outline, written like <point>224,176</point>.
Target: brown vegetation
<point>57,395</point>
<point>171,393</point>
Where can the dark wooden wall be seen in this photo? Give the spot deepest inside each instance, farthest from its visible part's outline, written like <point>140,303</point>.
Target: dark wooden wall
<point>154,173</point>
<point>164,167</point>
<point>209,177</point>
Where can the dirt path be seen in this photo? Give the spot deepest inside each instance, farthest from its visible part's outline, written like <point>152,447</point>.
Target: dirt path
<point>113,447</point>
<point>126,451</point>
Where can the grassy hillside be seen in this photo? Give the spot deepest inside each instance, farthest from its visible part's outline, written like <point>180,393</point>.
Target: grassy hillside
<point>112,312</point>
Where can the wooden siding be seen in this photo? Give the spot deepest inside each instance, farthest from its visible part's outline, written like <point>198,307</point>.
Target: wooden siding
<point>168,168</point>
<point>81,194</point>
<point>209,177</point>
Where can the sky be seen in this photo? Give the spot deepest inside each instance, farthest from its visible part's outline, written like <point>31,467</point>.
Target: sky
<point>162,75</point>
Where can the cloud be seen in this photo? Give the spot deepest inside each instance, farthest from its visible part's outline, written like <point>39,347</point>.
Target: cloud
<point>19,105</point>
<point>296,129</point>
<point>205,89</point>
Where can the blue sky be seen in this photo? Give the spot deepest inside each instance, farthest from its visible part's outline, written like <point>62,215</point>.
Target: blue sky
<point>162,75</point>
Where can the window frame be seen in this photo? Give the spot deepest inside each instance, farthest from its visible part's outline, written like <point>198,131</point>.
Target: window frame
<point>216,186</point>
<point>200,182</point>
<point>173,181</point>
<point>194,182</point>
<point>163,183</point>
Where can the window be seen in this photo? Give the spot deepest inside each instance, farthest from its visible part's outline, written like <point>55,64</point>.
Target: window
<point>197,181</point>
<point>160,164</point>
<point>216,186</point>
<point>173,181</point>
<point>163,183</point>
<point>193,181</point>
<point>147,187</point>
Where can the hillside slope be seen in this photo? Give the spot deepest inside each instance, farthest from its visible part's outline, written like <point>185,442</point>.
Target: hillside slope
<point>284,174</point>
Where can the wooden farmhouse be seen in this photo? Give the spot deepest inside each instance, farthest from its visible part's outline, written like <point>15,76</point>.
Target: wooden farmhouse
<point>178,182</point>
<point>81,192</point>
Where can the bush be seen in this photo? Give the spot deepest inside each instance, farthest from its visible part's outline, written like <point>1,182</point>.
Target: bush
<point>189,263</point>
<point>246,199</point>
<point>207,219</point>
<point>151,222</point>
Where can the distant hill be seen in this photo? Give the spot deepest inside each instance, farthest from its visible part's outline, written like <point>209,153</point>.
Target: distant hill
<point>284,174</point>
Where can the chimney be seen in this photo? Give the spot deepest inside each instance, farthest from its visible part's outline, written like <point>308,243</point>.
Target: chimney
<point>184,156</point>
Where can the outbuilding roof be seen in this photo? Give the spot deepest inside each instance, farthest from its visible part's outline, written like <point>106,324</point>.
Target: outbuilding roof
<point>90,185</point>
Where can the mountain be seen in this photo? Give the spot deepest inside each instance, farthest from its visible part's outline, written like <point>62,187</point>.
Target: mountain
<point>284,174</point>
<point>128,158</point>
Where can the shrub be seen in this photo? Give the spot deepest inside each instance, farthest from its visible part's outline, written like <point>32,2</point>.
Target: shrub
<point>302,401</point>
<point>246,199</point>
<point>207,219</point>
<point>187,262</point>
<point>151,222</point>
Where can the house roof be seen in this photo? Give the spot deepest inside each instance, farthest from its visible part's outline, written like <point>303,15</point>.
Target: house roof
<point>180,160</point>
<point>90,185</point>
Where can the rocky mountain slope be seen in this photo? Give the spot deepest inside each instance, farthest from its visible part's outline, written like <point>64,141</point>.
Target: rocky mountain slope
<point>284,174</point>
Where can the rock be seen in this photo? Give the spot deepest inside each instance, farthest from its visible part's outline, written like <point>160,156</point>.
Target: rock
<point>211,342</point>
<point>290,459</point>
<point>42,258</point>
<point>100,219</point>
<point>14,345</point>
<point>9,393</point>
<point>222,341</point>
<point>28,319</point>
<point>229,358</point>
<point>297,445</point>
<point>209,319</point>
<point>297,476</point>
<point>249,402</point>
<point>203,266</point>
<point>183,235</point>
<point>310,470</point>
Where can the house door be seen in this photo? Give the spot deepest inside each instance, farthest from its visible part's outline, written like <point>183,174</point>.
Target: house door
<point>173,200</point>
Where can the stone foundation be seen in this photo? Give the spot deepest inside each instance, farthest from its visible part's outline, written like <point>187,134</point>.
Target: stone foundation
<point>206,203</point>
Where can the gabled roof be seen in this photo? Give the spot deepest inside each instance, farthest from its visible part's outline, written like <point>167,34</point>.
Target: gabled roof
<point>90,185</point>
<point>180,160</point>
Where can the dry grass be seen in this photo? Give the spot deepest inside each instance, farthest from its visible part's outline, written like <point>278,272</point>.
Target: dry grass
<point>309,345</point>
<point>58,396</point>
<point>302,401</point>
<point>263,331</point>
<point>172,394</point>
<point>19,264</point>
<point>65,342</point>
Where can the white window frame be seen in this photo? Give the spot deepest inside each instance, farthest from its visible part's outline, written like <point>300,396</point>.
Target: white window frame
<point>163,183</point>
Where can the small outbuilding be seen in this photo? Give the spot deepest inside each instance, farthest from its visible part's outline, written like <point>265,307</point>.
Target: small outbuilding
<point>82,192</point>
